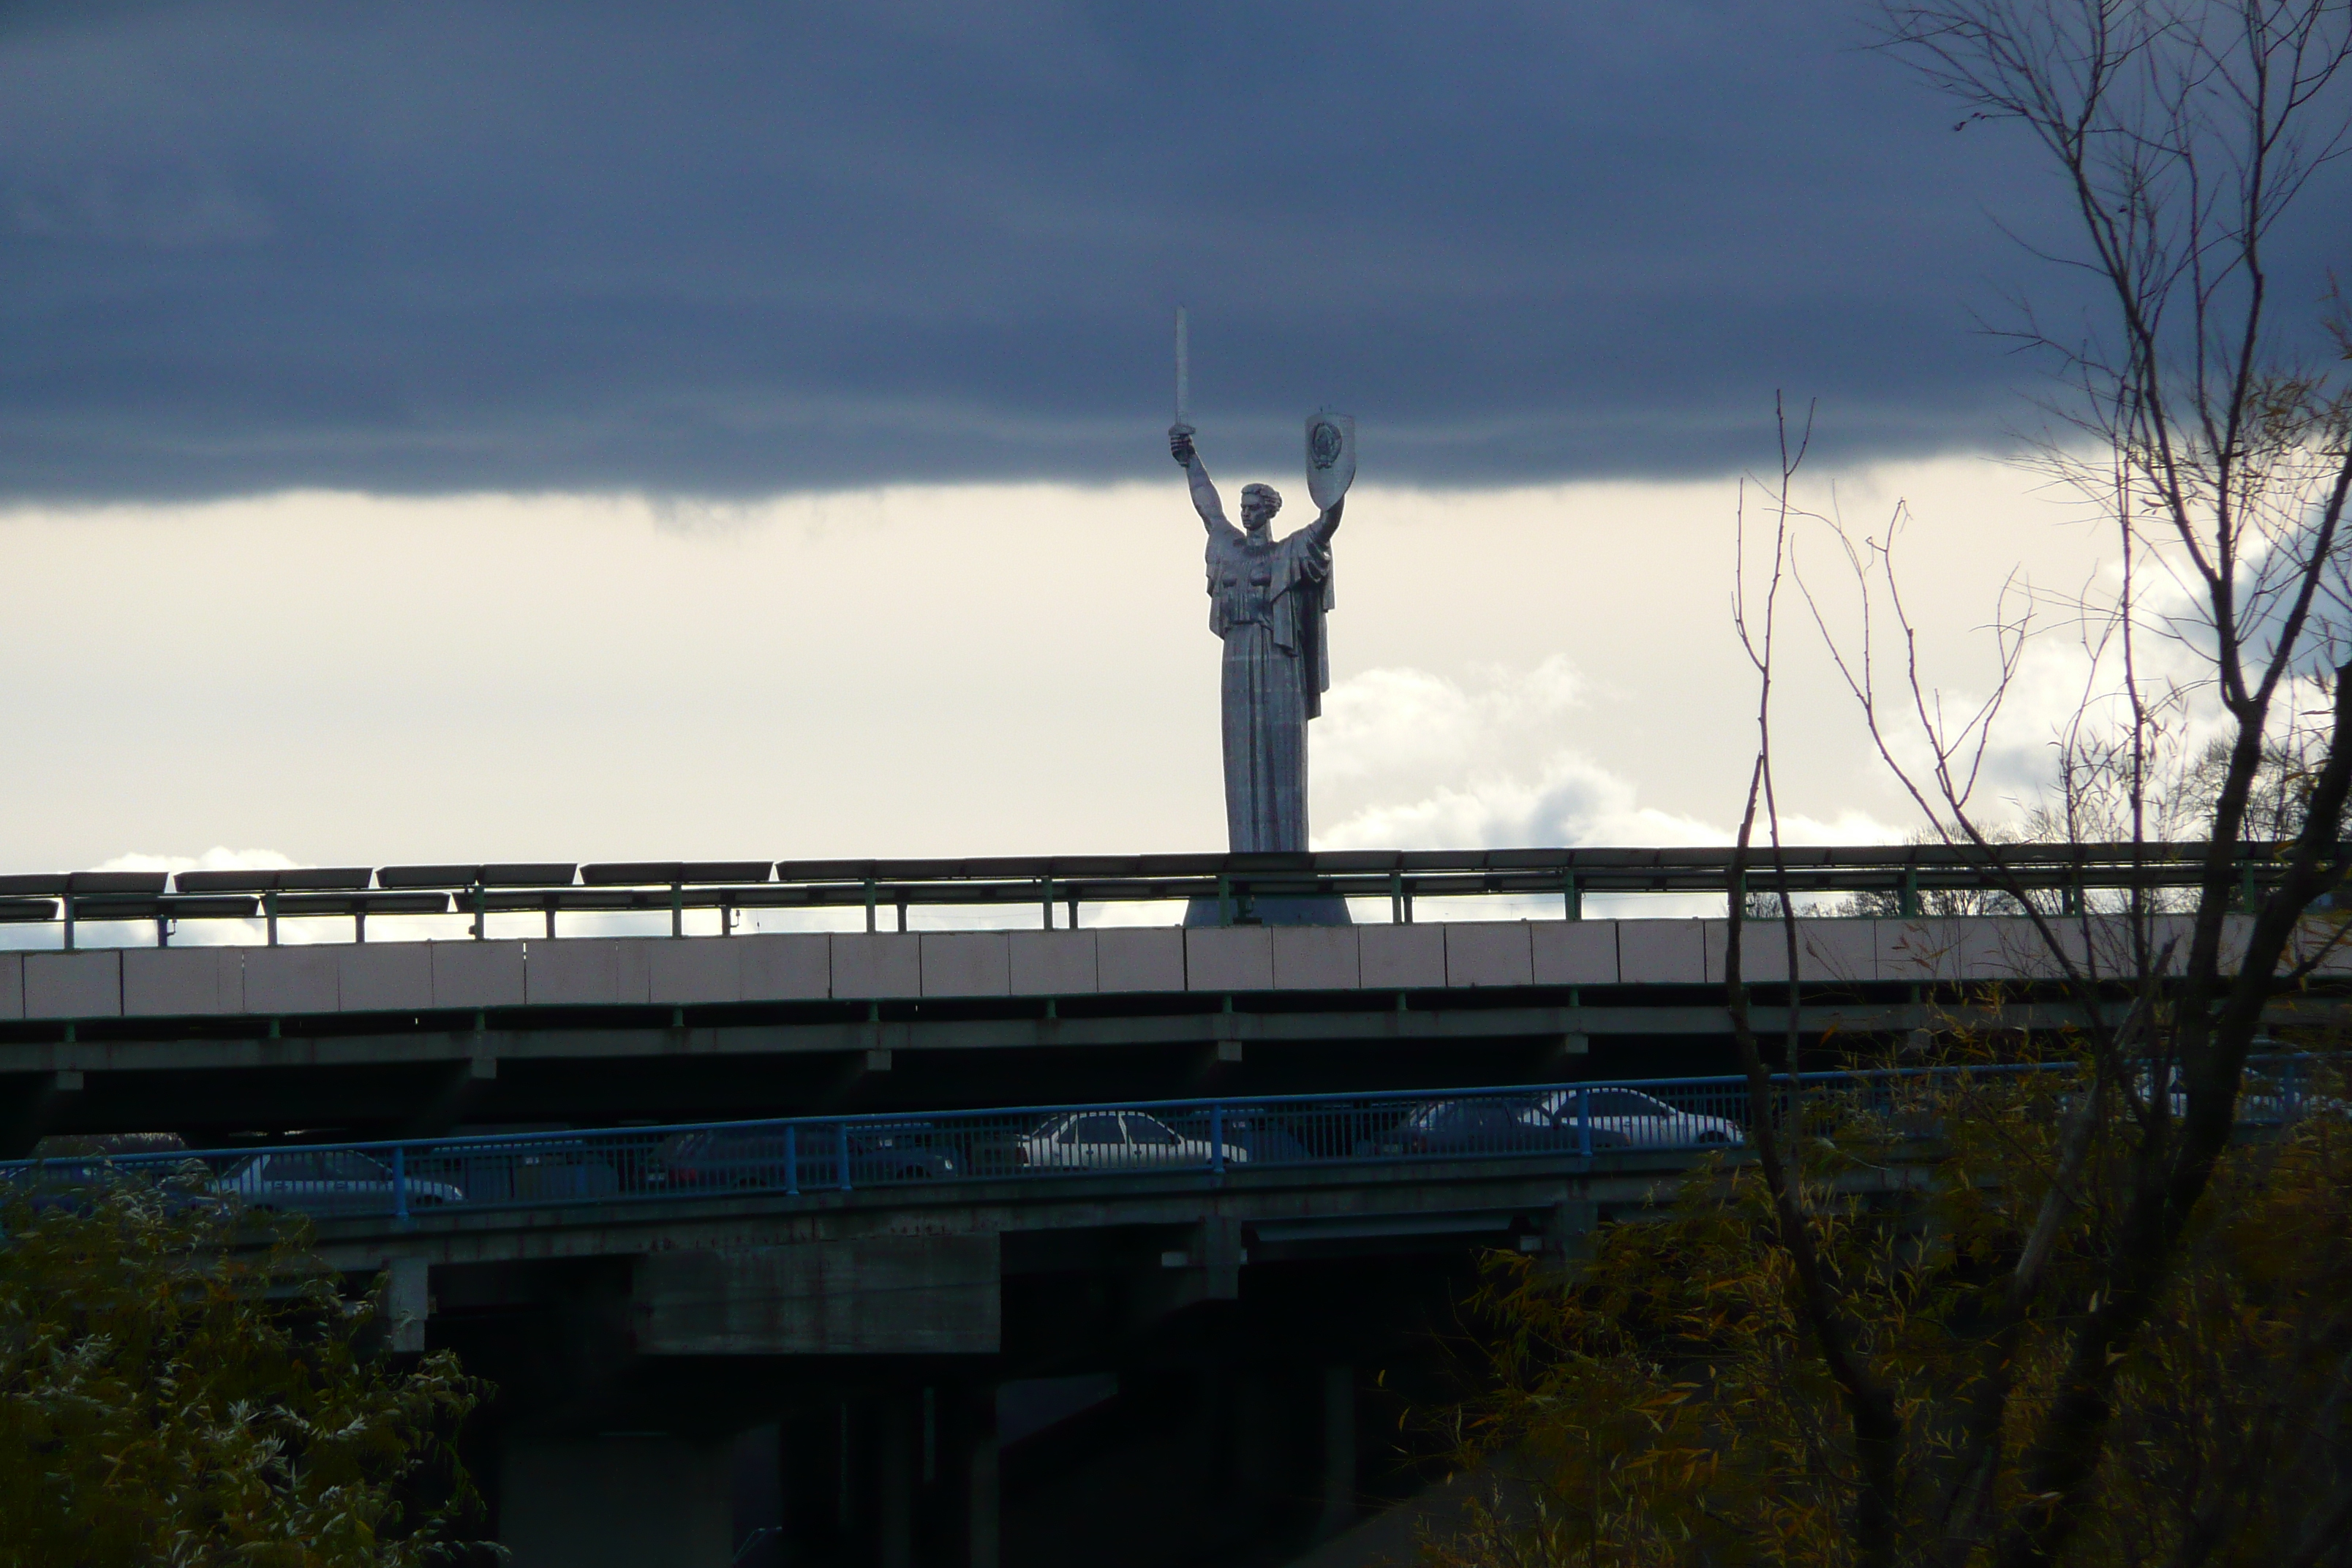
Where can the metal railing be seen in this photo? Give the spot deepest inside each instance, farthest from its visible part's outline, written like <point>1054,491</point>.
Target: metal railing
<point>1232,884</point>
<point>803,1157</point>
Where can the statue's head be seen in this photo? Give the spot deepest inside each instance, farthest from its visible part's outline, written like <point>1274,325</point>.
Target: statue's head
<point>1259,503</point>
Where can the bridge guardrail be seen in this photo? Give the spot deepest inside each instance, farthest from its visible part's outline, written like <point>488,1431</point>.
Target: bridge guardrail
<point>2068,872</point>
<point>415,1180</point>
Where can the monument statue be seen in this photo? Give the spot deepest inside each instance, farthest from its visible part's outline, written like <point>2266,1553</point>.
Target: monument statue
<point>1267,599</point>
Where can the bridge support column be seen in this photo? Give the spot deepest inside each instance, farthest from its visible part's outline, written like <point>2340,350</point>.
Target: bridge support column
<point>617,1501</point>
<point>1338,1451</point>
<point>895,1477</point>
<point>407,1301</point>
<point>1568,1233</point>
<point>983,1493</point>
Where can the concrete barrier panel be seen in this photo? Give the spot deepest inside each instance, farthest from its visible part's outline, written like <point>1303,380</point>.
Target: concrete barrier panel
<point>576,972</point>
<point>1229,958</point>
<point>12,985</point>
<point>1052,962</point>
<point>877,964</point>
<point>1400,957</point>
<point>1140,958</point>
<point>2024,950</point>
<point>1973,948</point>
<point>786,966</point>
<point>967,963</point>
<point>1314,958</point>
<point>1490,952</point>
<point>1922,951</point>
<point>688,971</point>
<point>1763,952</point>
<point>73,984</point>
<point>385,977</point>
<point>2180,931</point>
<point>632,956</point>
<point>1574,952</point>
<point>2115,951</point>
<point>183,981</point>
<point>283,980</point>
<point>477,973</point>
<point>1829,952</point>
<point>2237,931</point>
<point>1837,951</point>
<point>1661,952</point>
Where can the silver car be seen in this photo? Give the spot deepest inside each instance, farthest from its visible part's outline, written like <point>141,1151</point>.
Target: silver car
<point>1645,1120</point>
<point>327,1182</point>
<point>1116,1141</point>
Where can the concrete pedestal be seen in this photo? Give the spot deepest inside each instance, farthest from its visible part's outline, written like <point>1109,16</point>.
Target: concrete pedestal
<point>617,1503</point>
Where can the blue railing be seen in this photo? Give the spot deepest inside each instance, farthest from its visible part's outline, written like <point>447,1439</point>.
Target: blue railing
<point>415,1179</point>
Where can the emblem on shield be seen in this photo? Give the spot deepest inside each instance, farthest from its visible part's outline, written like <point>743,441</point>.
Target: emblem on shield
<point>1323,443</point>
<point>1331,457</point>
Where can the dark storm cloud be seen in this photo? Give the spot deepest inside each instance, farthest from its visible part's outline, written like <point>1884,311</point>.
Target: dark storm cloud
<point>735,249</point>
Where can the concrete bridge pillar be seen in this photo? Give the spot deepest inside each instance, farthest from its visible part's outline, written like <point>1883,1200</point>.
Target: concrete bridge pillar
<point>1338,1451</point>
<point>894,1477</point>
<point>982,1492</point>
<point>618,1501</point>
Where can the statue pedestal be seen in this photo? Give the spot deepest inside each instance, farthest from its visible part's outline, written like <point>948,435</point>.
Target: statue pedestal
<point>1273,909</point>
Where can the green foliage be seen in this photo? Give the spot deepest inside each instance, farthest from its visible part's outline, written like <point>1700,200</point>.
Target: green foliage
<point>1664,1405</point>
<point>172,1391</point>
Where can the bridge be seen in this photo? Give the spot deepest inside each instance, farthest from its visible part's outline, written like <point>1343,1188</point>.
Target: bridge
<point>523,1006</point>
<point>908,1312</point>
<point>894,1303</point>
<point>1001,1362</point>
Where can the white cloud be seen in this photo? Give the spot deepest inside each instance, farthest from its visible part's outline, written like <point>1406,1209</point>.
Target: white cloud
<point>1385,723</point>
<point>219,858</point>
<point>1422,761</point>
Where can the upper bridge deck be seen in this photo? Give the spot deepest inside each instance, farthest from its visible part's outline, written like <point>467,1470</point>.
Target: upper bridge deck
<point>532,997</point>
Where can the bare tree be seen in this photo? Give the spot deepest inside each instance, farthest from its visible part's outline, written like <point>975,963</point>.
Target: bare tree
<point>2193,412</point>
<point>1868,1403</point>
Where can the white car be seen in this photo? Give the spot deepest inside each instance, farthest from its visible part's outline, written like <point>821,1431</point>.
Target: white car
<point>326,1181</point>
<point>1647,1121</point>
<point>1116,1141</point>
<point>2263,1100</point>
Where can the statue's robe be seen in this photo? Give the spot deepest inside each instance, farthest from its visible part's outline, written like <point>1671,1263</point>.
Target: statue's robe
<point>1268,602</point>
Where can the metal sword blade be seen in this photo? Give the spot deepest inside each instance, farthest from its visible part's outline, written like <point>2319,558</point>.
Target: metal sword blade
<point>1183,367</point>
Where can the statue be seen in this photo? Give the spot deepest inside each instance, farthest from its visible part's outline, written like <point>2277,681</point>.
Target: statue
<point>1267,598</point>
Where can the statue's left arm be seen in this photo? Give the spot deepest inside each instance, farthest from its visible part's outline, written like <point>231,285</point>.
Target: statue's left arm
<point>1324,527</point>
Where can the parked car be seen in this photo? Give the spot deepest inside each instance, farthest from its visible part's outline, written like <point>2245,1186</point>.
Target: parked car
<point>537,1171</point>
<point>1117,1141</point>
<point>73,1180</point>
<point>1647,1121</point>
<point>2266,1097</point>
<point>755,1156</point>
<point>1264,1141</point>
<point>1496,1125</point>
<point>327,1182</point>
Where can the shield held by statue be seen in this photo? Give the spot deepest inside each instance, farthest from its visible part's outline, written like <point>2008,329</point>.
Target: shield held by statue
<point>1331,457</point>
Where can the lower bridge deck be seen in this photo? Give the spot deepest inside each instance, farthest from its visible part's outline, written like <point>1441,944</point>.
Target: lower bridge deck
<point>968,1336</point>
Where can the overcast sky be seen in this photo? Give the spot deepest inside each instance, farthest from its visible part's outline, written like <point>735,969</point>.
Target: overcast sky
<point>737,248</point>
<point>470,430</point>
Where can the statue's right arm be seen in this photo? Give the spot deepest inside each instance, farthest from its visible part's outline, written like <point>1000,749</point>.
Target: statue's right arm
<point>1205,499</point>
